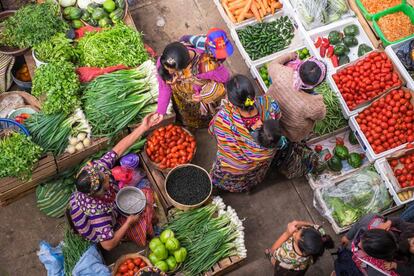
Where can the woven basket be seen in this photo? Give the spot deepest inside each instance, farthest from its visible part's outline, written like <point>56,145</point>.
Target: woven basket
<point>28,98</point>
<point>8,50</point>
<point>123,258</point>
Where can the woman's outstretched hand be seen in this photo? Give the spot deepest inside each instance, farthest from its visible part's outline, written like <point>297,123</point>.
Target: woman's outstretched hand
<point>151,120</point>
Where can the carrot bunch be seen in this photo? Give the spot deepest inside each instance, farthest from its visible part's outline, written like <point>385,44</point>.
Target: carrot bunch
<point>239,10</point>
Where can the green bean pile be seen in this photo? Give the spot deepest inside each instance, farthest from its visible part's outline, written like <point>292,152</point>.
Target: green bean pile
<point>266,38</point>
<point>333,119</point>
<point>73,248</point>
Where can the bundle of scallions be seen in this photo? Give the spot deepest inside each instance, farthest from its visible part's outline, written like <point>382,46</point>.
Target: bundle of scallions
<point>51,132</point>
<point>210,234</point>
<point>114,100</point>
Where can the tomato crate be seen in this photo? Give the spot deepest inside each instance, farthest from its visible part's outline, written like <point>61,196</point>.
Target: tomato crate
<point>391,51</point>
<point>339,26</point>
<point>297,41</point>
<point>328,141</point>
<point>323,209</point>
<point>347,112</point>
<point>372,156</point>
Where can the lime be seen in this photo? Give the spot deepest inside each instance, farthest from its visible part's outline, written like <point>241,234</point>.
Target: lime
<point>76,24</point>
<point>109,5</point>
<point>305,51</point>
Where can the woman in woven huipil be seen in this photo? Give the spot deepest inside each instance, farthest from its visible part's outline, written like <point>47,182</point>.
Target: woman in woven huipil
<point>241,161</point>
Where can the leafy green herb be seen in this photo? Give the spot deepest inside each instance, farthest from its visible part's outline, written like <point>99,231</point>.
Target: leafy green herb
<point>59,47</point>
<point>118,45</point>
<point>57,86</point>
<point>31,25</point>
<point>73,248</point>
<point>18,156</point>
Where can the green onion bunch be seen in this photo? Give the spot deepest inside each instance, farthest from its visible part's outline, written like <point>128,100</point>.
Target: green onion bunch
<point>73,248</point>
<point>114,100</point>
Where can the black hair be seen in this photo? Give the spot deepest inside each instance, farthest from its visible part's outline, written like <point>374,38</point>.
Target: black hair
<point>310,72</point>
<point>313,243</point>
<point>179,56</point>
<point>83,182</point>
<point>408,233</point>
<point>380,244</point>
<point>268,134</point>
<point>239,88</point>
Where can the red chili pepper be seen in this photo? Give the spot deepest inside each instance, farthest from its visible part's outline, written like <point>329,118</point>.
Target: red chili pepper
<point>330,51</point>
<point>318,148</point>
<point>322,51</point>
<point>334,60</point>
<point>24,115</point>
<point>325,42</point>
<point>339,141</point>
<point>328,156</point>
<point>318,42</point>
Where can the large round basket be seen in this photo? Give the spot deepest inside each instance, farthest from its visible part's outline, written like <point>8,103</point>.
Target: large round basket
<point>123,19</point>
<point>28,98</point>
<point>181,206</point>
<point>8,50</point>
<point>123,258</point>
<point>156,165</point>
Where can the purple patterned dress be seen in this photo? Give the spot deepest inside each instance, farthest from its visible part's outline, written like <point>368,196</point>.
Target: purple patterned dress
<point>94,218</point>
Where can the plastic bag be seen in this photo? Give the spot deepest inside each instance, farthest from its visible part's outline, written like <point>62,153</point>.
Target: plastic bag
<point>406,54</point>
<point>316,13</point>
<point>361,193</point>
<point>51,258</point>
<point>91,263</point>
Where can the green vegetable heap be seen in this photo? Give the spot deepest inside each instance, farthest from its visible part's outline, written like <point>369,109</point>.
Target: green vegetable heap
<point>266,38</point>
<point>57,85</point>
<point>118,45</point>
<point>31,25</point>
<point>73,248</point>
<point>59,47</point>
<point>18,156</point>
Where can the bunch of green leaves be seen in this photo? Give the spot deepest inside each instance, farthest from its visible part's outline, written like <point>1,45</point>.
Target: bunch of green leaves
<point>114,46</point>
<point>50,131</point>
<point>18,156</point>
<point>59,47</point>
<point>57,86</point>
<point>32,24</point>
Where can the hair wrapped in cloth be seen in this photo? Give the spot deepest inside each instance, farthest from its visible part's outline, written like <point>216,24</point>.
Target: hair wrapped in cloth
<point>94,176</point>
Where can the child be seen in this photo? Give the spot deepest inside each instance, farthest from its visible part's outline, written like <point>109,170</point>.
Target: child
<point>298,248</point>
<point>214,43</point>
<point>268,134</point>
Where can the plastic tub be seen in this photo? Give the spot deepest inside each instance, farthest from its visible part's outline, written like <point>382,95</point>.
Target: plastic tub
<point>368,15</point>
<point>297,41</point>
<point>406,9</point>
<point>391,51</point>
<point>37,61</point>
<point>338,26</point>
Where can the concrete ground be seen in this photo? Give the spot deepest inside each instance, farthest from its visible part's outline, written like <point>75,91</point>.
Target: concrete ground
<point>267,209</point>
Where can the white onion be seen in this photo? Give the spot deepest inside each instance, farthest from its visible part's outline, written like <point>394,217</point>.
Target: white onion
<point>79,146</point>
<point>86,142</point>
<point>73,141</point>
<point>81,136</point>
<point>71,149</point>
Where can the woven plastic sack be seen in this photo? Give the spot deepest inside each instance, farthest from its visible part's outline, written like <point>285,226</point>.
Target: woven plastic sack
<point>361,193</point>
<point>6,65</point>
<point>316,13</point>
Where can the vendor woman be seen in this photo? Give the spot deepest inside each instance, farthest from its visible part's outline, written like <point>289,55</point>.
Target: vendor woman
<point>195,82</point>
<point>92,207</point>
<point>241,161</point>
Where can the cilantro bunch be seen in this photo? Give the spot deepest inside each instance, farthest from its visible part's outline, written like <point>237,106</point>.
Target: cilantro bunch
<point>59,47</point>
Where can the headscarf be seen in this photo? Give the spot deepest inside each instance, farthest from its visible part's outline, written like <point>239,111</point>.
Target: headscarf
<point>93,173</point>
<point>298,84</point>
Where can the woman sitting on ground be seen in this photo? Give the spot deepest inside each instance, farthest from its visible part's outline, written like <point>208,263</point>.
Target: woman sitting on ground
<point>195,82</point>
<point>298,248</point>
<point>241,162</point>
<point>92,207</point>
<point>293,82</point>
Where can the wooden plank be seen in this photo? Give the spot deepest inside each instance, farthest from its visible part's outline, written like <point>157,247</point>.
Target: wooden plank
<point>31,65</point>
<point>225,266</point>
<point>6,202</point>
<point>366,25</point>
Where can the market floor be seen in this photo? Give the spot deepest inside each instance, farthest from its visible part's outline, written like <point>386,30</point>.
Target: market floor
<point>266,210</point>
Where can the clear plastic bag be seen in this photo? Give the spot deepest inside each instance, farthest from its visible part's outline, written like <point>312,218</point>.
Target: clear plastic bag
<point>362,193</point>
<point>316,13</point>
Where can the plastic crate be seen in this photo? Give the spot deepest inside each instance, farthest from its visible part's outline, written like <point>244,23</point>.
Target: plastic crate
<point>345,109</point>
<point>406,9</point>
<point>391,51</point>
<point>372,156</point>
<point>338,26</point>
<point>368,15</point>
<point>384,169</point>
<point>325,178</point>
<point>297,41</point>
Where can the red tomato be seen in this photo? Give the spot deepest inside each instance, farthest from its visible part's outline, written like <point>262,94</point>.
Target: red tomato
<point>123,268</point>
<point>131,265</point>
<point>137,261</point>
<point>398,172</point>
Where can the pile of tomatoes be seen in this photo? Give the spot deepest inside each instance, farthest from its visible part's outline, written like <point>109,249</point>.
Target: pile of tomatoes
<point>130,267</point>
<point>170,146</point>
<point>403,168</point>
<point>366,79</point>
<point>389,121</point>
<point>21,118</point>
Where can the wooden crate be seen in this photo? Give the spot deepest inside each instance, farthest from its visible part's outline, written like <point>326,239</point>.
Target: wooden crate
<point>12,189</point>
<point>225,266</point>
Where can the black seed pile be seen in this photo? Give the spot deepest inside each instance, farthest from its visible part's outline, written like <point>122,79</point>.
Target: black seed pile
<point>188,185</point>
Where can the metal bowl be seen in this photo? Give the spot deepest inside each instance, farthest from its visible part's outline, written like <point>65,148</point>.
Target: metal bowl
<point>130,200</point>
